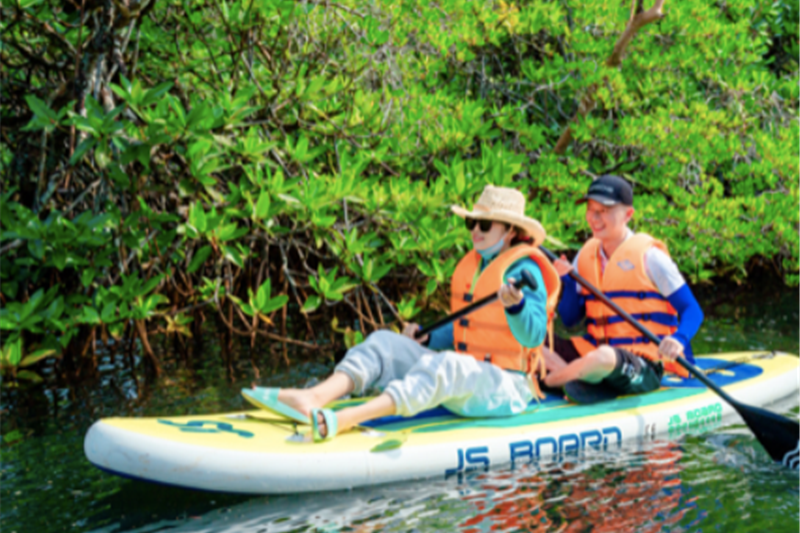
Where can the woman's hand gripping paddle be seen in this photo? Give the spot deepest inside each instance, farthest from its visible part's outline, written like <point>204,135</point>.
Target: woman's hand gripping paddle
<point>779,435</point>
<point>527,280</point>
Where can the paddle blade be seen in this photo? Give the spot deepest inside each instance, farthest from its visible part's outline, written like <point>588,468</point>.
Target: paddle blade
<point>779,435</point>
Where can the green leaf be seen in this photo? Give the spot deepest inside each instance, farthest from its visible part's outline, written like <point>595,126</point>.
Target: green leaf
<point>85,145</point>
<point>275,303</point>
<point>379,272</point>
<point>151,284</point>
<point>40,108</point>
<point>431,286</point>
<point>352,338</point>
<point>407,309</point>
<point>12,352</point>
<point>12,436</point>
<point>87,277</point>
<point>247,308</point>
<point>262,207</point>
<point>10,289</point>
<point>152,301</point>
<point>36,356</point>
<point>36,249</point>
<point>311,304</point>
<point>90,315</point>
<point>197,218</point>
<point>199,258</point>
<point>233,255</point>
<point>102,156</point>
<point>263,295</point>
<point>109,314</point>
<point>29,376</point>
<point>154,95</point>
<point>59,258</point>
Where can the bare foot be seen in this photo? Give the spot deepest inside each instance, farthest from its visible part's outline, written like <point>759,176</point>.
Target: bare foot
<point>323,428</point>
<point>343,424</point>
<point>302,400</point>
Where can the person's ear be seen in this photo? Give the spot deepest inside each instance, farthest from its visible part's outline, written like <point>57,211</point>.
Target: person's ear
<point>628,213</point>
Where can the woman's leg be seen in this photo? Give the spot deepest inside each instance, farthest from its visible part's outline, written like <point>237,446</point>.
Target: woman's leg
<point>350,417</point>
<point>459,382</point>
<point>304,400</point>
<point>592,368</point>
<point>462,384</point>
<point>382,358</point>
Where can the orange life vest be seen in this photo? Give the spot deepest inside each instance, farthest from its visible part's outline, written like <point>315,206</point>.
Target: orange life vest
<point>485,334</point>
<point>625,282</point>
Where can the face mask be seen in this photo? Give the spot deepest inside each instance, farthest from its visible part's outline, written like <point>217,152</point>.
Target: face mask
<point>492,251</point>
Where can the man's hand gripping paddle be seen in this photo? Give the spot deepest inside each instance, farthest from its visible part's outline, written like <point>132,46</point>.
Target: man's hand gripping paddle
<point>779,435</point>
<point>527,280</point>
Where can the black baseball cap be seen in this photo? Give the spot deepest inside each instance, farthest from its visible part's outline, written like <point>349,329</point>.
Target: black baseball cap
<point>609,190</point>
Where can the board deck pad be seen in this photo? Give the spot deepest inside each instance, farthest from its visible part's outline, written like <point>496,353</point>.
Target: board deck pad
<point>442,419</point>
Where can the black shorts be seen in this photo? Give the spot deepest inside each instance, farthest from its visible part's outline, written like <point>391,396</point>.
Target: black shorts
<point>631,375</point>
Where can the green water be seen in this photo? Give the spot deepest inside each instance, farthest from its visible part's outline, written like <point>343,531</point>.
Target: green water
<point>719,481</point>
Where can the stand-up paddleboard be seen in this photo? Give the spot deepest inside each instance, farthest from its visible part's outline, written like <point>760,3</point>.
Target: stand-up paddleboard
<point>257,452</point>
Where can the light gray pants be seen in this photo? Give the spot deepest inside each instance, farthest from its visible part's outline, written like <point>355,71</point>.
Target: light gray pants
<point>417,378</point>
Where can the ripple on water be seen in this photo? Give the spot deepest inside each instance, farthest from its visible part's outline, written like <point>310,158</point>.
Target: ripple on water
<point>723,482</point>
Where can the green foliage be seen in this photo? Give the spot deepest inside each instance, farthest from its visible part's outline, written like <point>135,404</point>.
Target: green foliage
<point>319,147</point>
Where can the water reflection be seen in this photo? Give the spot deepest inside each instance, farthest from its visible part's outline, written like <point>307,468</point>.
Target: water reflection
<point>619,493</point>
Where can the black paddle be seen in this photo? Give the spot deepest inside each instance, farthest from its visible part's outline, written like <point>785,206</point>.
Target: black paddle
<point>527,279</point>
<point>779,435</point>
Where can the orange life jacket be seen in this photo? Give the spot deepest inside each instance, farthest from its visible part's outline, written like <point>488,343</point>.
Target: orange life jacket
<point>625,282</point>
<point>485,334</point>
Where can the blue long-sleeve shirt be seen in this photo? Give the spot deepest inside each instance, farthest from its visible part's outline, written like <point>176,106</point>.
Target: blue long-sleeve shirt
<point>527,320</point>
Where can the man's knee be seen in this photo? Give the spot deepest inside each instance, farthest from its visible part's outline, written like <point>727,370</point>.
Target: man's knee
<point>603,357</point>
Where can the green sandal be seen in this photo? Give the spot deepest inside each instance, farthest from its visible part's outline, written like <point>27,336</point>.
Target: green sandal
<point>330,422</point>
<point>267,399</point>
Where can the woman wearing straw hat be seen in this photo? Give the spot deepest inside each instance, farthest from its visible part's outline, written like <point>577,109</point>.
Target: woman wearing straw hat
<point>487,359</point>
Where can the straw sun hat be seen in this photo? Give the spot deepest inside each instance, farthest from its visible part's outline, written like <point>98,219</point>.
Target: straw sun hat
<point>504,205</point>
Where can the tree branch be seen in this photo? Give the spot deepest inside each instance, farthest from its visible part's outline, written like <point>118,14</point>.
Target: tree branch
<point>636,22</point>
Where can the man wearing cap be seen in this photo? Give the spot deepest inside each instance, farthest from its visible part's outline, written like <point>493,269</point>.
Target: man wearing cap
<point>636,272</point>
<point>480,366</point>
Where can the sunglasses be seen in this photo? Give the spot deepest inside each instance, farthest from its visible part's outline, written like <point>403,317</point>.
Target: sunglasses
<point>485,225</point>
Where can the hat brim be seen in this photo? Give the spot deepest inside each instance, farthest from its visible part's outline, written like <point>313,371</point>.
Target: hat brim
<point>531,226</point>
<point>605,200</point>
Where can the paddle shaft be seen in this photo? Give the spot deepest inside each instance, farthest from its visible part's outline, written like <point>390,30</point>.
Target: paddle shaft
<point>696,372</point>
<point>527,279</point>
